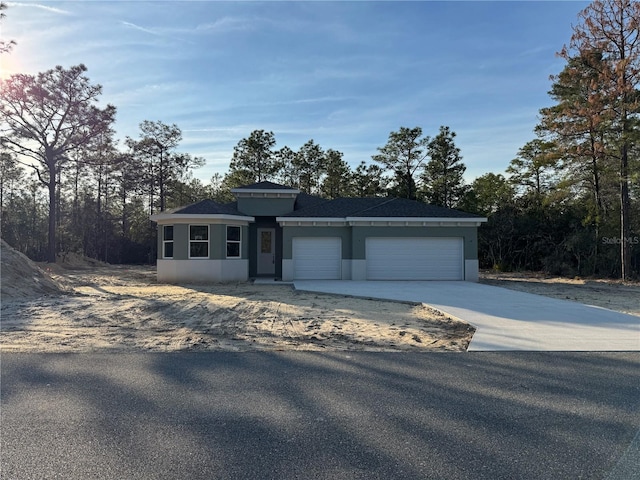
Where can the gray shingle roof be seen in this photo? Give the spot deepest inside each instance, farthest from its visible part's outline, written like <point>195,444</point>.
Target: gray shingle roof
<point>304,200</point>
<point>377,207</point>
<point>310,206</point>
<point>209,207</point>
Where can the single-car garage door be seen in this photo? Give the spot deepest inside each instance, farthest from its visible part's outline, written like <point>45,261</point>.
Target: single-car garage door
<point>414,258</point>
<point>317,258</point>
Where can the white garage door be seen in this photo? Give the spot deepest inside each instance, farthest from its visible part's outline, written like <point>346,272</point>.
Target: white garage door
<point>414,258</point>
<point>317,258</point>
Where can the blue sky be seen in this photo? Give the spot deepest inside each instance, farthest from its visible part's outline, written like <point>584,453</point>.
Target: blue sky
<point>344,74</point>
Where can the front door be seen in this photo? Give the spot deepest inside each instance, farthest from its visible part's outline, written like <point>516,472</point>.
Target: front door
<point>266,251</point>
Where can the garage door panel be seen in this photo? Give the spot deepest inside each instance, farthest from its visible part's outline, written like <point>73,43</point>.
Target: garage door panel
<point>317,258</point>
<point>414,258</point>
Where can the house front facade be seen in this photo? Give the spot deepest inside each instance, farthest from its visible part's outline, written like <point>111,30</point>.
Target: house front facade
<point>277,231</point>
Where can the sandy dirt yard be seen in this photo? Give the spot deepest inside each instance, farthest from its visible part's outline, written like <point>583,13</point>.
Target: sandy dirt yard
<point>610,294</point>
<point>125,309</point>
<point>80,305</point>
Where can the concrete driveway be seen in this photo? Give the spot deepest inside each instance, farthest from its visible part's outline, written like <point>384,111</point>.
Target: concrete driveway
<point>505,319</point>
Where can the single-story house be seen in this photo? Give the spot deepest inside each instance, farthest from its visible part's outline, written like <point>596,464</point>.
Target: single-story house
<point>277,231</point>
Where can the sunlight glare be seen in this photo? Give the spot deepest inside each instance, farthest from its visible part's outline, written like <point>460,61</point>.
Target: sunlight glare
<point>9,65</point>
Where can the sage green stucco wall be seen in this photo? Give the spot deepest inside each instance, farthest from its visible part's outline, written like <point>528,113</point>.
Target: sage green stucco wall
<point>217,241</point>
<point>354,238</point>
<point>288,233</point>
<point>469,235</point>
<point>265,207</point>
<point>180,241</point>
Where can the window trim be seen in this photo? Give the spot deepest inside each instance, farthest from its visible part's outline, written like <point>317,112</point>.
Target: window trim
<point>207,241</point>
<point>165,242</point>
<point>239,242</point>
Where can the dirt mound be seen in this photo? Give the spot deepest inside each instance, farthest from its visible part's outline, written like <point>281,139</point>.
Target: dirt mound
<point>20,278</point>
<point>77,261</point>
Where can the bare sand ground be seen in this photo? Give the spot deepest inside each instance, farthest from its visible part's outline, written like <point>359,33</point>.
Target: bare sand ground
<point>81,305</point>
<point>125,309</point>
<point>611,294</point>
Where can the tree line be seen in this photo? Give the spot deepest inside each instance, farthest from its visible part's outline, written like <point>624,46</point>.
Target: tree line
<point>568,203</point>
<point>410,165</point>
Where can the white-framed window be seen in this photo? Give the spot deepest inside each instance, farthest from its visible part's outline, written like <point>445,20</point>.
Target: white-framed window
<point>167,241</point>
<point>198,241</point>
<point>234,241</point>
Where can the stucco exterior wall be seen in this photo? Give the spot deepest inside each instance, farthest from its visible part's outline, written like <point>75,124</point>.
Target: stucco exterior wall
<point>354,264</point>
<point>265,207</point>
<point>217,241</point>
<point>216,268</point>
<point>205,271</point>
<point>180,241</point>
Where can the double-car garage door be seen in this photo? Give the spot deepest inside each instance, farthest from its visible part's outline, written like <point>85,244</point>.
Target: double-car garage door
<point>415,258</point>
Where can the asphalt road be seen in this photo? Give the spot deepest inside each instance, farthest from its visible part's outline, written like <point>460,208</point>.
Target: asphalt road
<point>320,415</point>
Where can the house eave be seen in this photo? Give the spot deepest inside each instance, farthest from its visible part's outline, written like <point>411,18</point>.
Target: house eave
<point>164,218</point>
<point>380,221</point>
<point>416,221</point>
<point>311,221</point>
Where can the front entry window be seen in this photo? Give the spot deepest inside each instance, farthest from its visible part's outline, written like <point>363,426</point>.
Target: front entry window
<point>265,241</point>
<point>198,241</point>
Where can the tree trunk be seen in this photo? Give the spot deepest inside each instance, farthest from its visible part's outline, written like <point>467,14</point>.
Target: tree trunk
<point>597,199</point>
<point>161,180</point>
<point>625,224</point>
<point>51,185</point>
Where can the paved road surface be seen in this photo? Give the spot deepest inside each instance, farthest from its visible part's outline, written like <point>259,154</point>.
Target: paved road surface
<point>320,415</point>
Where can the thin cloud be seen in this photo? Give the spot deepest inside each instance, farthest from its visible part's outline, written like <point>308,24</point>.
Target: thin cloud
<point>47,8</point>
<point>161,33</point>
<point>228,24</point>
<point>139,28</point>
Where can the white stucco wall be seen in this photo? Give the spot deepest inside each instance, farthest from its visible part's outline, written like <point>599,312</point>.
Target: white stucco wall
<point>185,271</point>
<point>287,270</point>
<point>471,270</point>
<point>358,270</point>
